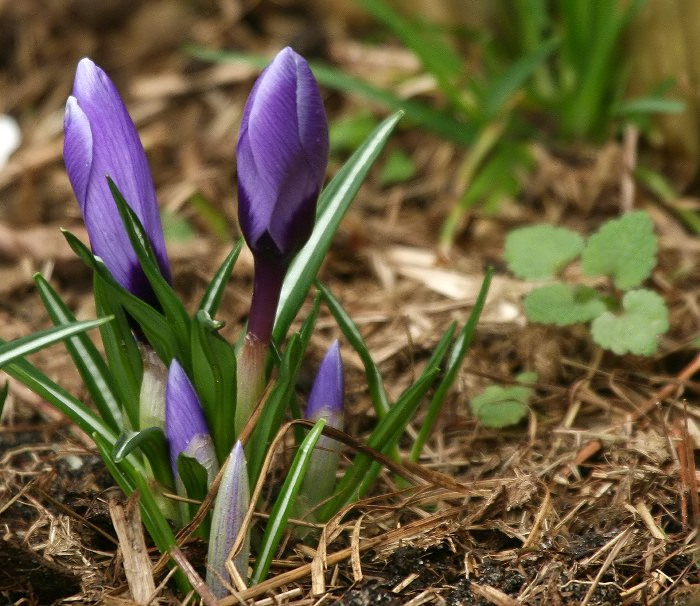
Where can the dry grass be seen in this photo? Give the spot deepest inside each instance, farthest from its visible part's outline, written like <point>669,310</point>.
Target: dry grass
<point>593,500</point>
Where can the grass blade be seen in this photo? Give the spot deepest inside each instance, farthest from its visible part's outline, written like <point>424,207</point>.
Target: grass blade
<point>454,362</point>
<point>332,205</point>
<point>285,501</point>
<point>173,308</point>
<point>352,334</point>
<point>87,359</point>
<point>59,398</point>
<point>215,291</point>
<point>436,56</point>
<point>131,480</point>
<point>384,438</point>
<point>18,348</point>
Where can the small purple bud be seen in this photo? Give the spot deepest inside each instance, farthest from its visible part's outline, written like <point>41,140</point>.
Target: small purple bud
<point>185,426</point>
<point>282,155</point>
<point>328,391</point>
<point>100,141</point>
<point>325,402</point>
<point>232,502</point>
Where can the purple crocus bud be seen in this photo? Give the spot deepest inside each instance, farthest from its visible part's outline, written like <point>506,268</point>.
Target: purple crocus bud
<point>100,141</point>
<point>232,502</point>
<point>282,154</point>
<point>325,402</point>
<point>328,391</point>
<point>185,426</point>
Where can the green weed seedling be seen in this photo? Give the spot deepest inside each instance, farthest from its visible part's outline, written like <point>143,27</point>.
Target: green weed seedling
<point>502,405</point>
<point>625,318</point>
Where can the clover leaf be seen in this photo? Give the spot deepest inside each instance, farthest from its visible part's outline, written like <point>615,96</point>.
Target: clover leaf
<point>637,328</point>
<point>499,406</point>
<point>539,251</point>
<point>624,249</point>
<point>563,304</point>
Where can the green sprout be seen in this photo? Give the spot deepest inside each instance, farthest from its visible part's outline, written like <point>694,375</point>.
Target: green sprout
<point>623,320</point>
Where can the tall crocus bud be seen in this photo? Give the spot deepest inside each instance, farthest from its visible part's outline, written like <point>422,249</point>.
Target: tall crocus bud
<point>325,402</point>
<point>185,426</point>
<point>282,154</point>
<point>100,141</point>
<point>230,508</point>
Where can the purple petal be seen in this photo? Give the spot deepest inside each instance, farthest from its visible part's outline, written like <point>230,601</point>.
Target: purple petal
<point>185,426</point>
<point>328,391</point>
<point>282,155</point>
<point>101,140</point>
<point>230,509</point>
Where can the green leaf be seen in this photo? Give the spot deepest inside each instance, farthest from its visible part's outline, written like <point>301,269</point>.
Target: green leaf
<point>500,406</point>
<point>563,304</point>
<point>436,56</point>
<point>274,408</point>
<point>131,479</point>
<point>4,391</point>
<point>78,412</point>
<point>504,87</point>
<point>87,359</point>
<point>454,363</point>
<point>215,291</point>
<point>375,384</point>
<point>361,474</point>
<point>176,228</point>
<point>18,348</point>
<point>398,168</point>
<point>194,478</point>
<point>649,105</point>
<point>624,249</point>
<point>121,351</point>
<point>637,328</point>
<point>155,326</point>
<point>662,188</point>
<point>332,205</point>
<point>152,442</point>
<point>537,252</point>
<point>285,502</point>
<point>173,308</point>
<point>214,378</point>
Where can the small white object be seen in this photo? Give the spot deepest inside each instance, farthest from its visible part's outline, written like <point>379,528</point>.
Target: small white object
<point>10,137</point>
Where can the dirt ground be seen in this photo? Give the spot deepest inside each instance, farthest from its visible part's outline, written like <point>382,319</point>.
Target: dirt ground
<point>592,500</point>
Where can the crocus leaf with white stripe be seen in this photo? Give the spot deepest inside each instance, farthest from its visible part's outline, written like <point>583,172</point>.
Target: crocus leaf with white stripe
<point>155,327</point>
<point>88,361</point>
<point>121,349</point>
<point>214,378</point>
<point>23,346</point>
<point>279,516</point>
<point>166,297</point>
<point>333,203</point>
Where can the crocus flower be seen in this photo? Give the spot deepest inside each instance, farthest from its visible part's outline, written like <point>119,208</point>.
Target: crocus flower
<point>100,141</point>
<point>185,426</point>
<point>282,154</point>
<point>230,508</point>
<point>325,402</point>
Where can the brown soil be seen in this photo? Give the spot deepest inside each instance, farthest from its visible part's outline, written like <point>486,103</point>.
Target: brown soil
<point>592,500</point>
